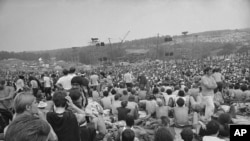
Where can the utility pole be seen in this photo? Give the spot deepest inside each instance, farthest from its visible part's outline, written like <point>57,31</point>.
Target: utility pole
<point>157,46</point>
<point>111,49</point>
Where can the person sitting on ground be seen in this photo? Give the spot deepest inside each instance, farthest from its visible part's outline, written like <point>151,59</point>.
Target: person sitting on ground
<point>95,94</point>
<point>181,94</point>
<point>238,93</point>
<point>28,128</point>
<point>163,134</point>
<point>116,104</point>
<point>187,97</point>
<point>125,95</point>
<point>212,131</point>
<point>165,122</point>
<point>87,132</point>
<point>25,104</point>
<point>164,95</point>
<point>121,88</point>
<point>181,118</point>
<point>133,106</point>
<point>218,99</point>
<point>64,122</point>
<point>142,93</point>
<point>224,121</point>
<point>247,93</point>
<point>187,134</point>
<point>128,135</point>
<point>106,101</point>
<point>99,124</point>
<point>169,98</point>
<point>77,99</point>
<point>123,111</point>
<point>151,106</point>
<point>112,93</point>
<point>135,94</point>
<point>161,110</point>
<point>243,97</point>
<point>140,133</point>
<point>195,100</point>
<point>77,82</point>
<point>156,92</point>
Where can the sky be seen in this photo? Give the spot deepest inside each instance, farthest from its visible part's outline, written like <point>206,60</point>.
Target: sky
<point>31,25</point>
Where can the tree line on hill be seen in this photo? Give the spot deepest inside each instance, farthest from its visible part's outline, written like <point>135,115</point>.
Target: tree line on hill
<point>27,56</point>
<point>157,47</point>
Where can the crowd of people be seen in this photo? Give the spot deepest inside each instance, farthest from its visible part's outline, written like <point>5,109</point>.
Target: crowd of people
<point>158,101</point>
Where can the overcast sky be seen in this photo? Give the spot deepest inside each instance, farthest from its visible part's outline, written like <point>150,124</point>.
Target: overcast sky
<point>27,25</point>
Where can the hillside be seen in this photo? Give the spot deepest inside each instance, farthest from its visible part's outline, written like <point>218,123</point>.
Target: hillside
<point>194,45</point>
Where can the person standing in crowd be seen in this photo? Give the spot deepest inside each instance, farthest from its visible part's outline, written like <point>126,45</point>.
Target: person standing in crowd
<point>20,84</point>
<point>34,85</point>
<point>71,73</point>
<point>110,79</point>
<point>94,78</point>
<point>47,85</point>
<point>142,80</point>
<point>219,78</point>
<point>64,83</point>
<point>6,100</point>
<point>128,78</point>
<point>208,84</point>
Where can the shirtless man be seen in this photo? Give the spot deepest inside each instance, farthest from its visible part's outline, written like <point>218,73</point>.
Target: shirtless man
<point>6,95</point>
<point>208,84</point>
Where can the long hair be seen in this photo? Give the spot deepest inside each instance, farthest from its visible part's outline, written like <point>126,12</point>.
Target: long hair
<point>163,134</point>
<point>27,128</point>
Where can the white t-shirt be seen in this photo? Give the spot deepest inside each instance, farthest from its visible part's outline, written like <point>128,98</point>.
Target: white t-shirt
<point>19,84</point>
<point>128,78</point>
<point>211,138</point>
<point>71,75</point>
<point>94,80</point>
<point>65,81</point>
<point>47,81</point>
<point>34,84</point>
